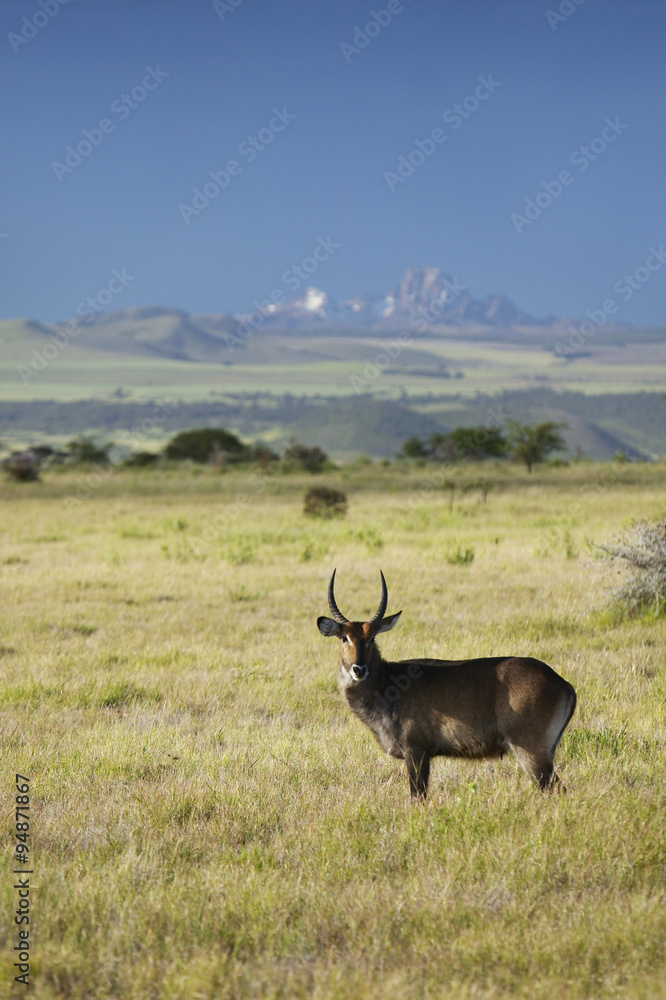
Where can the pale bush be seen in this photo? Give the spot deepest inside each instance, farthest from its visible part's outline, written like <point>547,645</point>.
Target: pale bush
<point>643,550</point>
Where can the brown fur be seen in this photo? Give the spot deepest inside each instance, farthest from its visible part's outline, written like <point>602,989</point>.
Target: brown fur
<point>423,708</point>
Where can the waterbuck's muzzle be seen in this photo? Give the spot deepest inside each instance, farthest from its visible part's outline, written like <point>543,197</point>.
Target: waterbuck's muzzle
<point>359,671</point>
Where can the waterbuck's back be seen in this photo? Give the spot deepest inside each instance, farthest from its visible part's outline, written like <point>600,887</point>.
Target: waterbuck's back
<point>481,707</point>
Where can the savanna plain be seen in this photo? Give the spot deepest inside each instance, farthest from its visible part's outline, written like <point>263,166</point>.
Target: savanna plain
<point>209,820</point>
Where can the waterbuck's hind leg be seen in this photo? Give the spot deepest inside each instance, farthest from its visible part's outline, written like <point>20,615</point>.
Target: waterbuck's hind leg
<point>418,771</point>
<point>538,764</point>
<point>536,747</point>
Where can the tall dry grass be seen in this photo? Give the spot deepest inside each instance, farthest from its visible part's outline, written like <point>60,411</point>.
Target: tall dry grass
<point>207,818</point>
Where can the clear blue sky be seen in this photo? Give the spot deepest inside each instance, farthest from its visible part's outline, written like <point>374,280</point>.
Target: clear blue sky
<point>323,175</point>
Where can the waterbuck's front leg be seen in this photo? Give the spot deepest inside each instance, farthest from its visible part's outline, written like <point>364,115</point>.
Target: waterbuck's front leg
<point>418,771</point>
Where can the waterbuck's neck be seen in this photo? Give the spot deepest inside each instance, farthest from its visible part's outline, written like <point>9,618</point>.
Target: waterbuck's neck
<point>366,696</point>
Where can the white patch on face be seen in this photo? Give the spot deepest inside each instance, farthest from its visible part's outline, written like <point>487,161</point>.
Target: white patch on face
<point>347,678</point>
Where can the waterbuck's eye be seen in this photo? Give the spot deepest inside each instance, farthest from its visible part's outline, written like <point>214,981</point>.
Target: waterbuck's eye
<point>346,638</point>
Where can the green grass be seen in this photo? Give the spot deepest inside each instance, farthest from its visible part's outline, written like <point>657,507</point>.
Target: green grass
<point>307,365</point>
<point>207,818</point>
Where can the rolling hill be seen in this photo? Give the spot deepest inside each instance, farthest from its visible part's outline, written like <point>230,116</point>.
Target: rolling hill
<point>356,379</point>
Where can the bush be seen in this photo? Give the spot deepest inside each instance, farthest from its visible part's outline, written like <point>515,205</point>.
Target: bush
<point>201,443</point>
<point>460,557</point>
<point>370,536</point>
<point>473,444</point>
<point>262,454</point>
<point>478,443</point>
<point>141,459</point>
<point>85,451</point>
<point>643,549</point>
<point>324,501</point>
<point>22,467</point>
<point>299,455</point>
<point>414,447</point>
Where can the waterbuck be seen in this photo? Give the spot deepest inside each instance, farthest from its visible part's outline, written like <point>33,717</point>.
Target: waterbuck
<point>426,708</point>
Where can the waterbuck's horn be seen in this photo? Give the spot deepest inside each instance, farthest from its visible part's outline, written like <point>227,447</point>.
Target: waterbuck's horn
<point>382,604</point>
<point>336,614</point>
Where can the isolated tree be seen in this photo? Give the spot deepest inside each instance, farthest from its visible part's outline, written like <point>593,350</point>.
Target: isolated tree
<point>199,444</point>
<point>472,444</point>
<point>477,443</point>
<point>533,443</point>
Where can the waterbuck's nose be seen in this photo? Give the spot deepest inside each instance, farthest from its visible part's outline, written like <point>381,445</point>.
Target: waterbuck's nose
<point>359,673</point>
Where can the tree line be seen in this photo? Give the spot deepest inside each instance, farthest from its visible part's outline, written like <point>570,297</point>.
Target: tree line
<point>528,443</point>
<point>219,447</point>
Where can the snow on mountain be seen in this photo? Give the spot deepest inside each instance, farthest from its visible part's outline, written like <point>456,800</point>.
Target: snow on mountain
<point>424,296</point>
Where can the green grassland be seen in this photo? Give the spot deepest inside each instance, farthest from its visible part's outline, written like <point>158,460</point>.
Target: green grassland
<point>208,820</point>
<point>175,357</point>
<point>352,391</point>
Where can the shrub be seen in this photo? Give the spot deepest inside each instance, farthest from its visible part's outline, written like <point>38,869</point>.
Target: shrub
<point>84,450</point>
<point>324,501</point>
<point>262,454</point>
<point>22,467</point>
<point>312,459</point>
<point>141,459</point>
<point>361,462</point>
<point>473,444</point>
<point>478,443</point>
<point>414,447</point>
<point>461,557</point>
<point>643,549</point>
<point>201,443</point>
<point>370,536</point>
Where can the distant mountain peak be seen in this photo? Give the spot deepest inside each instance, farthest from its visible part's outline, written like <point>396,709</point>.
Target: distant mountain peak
<point>428,294</point>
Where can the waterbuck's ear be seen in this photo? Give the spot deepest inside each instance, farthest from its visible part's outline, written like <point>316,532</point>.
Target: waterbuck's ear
<point>329,627</point>
<point>387,624</point>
